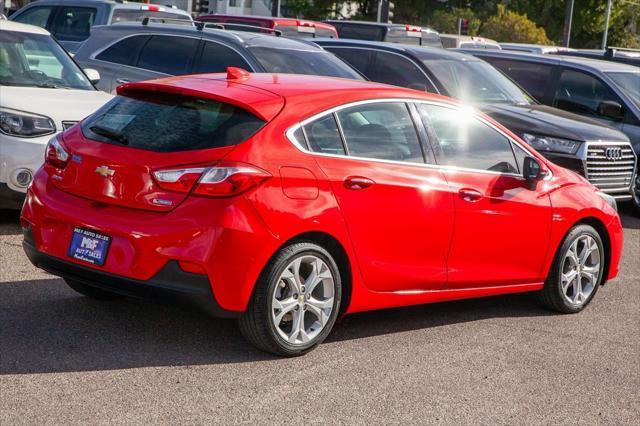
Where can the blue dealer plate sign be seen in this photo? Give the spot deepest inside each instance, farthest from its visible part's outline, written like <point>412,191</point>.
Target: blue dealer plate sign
<point>89,246</point>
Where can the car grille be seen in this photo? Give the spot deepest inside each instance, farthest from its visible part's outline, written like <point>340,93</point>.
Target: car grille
<point>67,124</point>
<point>610,167</point>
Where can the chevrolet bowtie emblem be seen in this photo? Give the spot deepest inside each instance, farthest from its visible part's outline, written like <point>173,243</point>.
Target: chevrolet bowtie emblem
<point>105,171</point>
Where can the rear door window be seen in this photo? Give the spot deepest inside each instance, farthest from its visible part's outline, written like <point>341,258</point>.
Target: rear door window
<point>168,54</point>
<point>216,58</point>
<point>582,93</point>
<point>360,59</point>
<point>38,16</point>
<point>123,51</point>
<point>73,23</point>
<point>462,140</point>
<point>533,77</point>
<point>324,137</point>
<point>397,70</point>
<point>383,131</point>
<point>167,123</point>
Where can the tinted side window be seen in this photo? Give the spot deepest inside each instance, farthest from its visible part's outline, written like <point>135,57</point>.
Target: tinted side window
<point>581,93</point>
<point>381,130</point>
<point>360,59</point>
<point>169,55</point>
<point>399,71</point>
<point>73,23</point>
<point>216,58</point>
<point>323,136</point>
<point>532,77</point>
<point>123,51</point>
<point>38,16</point>
<point>464,141</point>
<point>361,32</point>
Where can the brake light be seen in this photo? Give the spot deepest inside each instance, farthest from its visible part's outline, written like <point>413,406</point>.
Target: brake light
<point>151,8</point>
<point>221,180</point>
<point>55,154</point>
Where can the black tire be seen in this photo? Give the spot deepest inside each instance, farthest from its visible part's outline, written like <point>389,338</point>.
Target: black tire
<point>551,296</point>
<point>256,324</point>
<point>92,292</point>
<point>635,202</point>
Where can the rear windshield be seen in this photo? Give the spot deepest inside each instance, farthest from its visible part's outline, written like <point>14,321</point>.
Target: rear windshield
<point>128,15</point>
<point>293,61</point>
<point>167,123</point>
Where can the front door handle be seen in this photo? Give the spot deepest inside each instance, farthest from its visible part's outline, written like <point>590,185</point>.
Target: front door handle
<point>122,80</point>
<point>357,182</point>
<point>470,195</point>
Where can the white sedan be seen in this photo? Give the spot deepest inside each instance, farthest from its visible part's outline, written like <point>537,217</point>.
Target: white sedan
<point>42,92</point>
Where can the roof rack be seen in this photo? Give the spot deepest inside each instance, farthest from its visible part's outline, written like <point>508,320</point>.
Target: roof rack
<point>223,26</point>
<point>611,51</point>
<point>201,25</point>
<point>148,19</point>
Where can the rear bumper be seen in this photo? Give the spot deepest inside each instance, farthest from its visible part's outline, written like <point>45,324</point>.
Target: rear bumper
<point>169,284</point>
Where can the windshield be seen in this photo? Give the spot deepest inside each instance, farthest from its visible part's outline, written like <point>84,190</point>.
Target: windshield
<point>476,81</point>
<point>629,83</point>
<point>313,62</point>
<point>35,60</point>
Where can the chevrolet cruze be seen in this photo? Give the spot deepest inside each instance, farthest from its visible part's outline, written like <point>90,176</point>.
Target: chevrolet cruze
<point>286,201</point>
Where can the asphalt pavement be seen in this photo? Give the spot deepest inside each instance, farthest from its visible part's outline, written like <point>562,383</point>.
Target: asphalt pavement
<point>503,360</point>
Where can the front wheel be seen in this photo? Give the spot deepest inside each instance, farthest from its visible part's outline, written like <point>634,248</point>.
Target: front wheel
<point>636,195</point>
<point>296,301</point>
<point>576,273</point>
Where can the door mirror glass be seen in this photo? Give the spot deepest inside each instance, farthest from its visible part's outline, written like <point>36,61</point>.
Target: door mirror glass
<point>92,75</point>
<point>611,109</point>
<point>532,169</point>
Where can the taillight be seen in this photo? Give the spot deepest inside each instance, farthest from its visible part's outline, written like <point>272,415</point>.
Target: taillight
<point>222,180</point>
<point>55,154</point>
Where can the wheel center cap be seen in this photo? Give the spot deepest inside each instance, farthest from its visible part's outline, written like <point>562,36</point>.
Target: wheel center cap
<point>301,299</point>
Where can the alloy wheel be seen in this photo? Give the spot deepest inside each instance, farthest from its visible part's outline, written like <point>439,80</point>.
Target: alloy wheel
<point>580,270</point>
<point>302,300</point>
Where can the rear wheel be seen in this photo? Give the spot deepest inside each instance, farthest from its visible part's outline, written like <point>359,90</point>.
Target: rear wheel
<point>576,272</point>
<point>295,302</point>
<point>92,292</point>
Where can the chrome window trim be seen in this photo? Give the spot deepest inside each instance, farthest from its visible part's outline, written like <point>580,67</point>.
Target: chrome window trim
<point>445,168</point>
<point>393,53</point>
<point>98,52</point>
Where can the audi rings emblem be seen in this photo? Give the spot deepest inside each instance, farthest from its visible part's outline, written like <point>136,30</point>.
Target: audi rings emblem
<point>613,153</point>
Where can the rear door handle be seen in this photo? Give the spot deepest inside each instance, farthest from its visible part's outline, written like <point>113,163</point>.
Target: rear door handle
<point>122,80</point>
<point>470,195</point>
<point>357,182</point>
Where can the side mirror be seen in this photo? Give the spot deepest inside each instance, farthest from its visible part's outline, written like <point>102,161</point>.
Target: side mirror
<point>92,75</point>
<point>533,170</point>
<point>611,109</point>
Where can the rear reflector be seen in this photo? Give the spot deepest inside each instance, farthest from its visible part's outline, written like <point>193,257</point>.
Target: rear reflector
<point>222,180</point>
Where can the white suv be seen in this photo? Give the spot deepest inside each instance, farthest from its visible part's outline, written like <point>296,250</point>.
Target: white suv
<point>42,92</point>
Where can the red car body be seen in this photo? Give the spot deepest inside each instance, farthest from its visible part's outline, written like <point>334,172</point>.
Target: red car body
<point>503,242</point>
<point>291,27</point>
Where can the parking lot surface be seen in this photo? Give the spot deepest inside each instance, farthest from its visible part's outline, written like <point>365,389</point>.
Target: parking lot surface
<point>68,359</point>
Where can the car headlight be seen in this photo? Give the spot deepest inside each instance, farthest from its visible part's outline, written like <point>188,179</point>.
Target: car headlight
<point>24,124</point>
<point>549,144</point>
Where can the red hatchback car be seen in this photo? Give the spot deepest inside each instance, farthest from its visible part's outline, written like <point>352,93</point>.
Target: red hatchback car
<point>286,201</point>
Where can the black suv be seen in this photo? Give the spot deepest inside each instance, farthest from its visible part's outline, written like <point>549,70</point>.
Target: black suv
<point>392,33</point>
<point>573,141</point>
<point>602,90</point>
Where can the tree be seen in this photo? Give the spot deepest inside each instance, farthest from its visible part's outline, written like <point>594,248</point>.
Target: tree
<point>509,26</point>
<point>446,21</point>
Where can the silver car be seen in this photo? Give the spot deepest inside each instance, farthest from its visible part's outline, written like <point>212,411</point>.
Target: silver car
<point>148,50</point>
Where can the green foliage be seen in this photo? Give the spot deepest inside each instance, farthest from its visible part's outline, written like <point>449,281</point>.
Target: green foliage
<point>547,17</point>
<point>509,26</point>
<point>446,21</point>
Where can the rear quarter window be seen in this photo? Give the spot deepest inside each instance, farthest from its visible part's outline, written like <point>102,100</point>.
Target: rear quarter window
<point>169,123</point>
